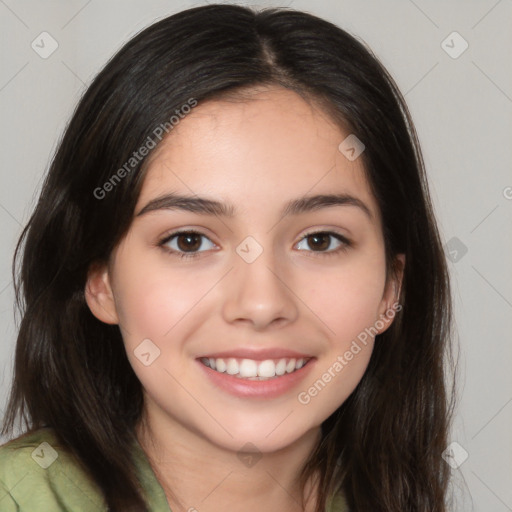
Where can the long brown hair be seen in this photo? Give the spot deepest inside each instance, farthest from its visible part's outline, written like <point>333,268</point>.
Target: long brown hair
<point>383,445</point>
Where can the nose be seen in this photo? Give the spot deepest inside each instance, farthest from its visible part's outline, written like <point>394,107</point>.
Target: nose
<point>258,293</point>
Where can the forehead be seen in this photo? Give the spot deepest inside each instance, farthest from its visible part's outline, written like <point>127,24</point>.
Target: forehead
<point>270,144</point>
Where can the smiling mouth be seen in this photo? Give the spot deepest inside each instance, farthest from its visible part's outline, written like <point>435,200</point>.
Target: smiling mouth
<point>255,370</point>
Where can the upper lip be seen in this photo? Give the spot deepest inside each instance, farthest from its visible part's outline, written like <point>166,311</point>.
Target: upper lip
<point>257,355</point>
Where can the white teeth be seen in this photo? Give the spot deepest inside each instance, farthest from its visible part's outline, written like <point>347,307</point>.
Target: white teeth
<point>254,370</point>
<point>248,368</point>
<point>281,367</point>
<point>267,369</point>
<point>221,365</point>
<point>290,366</point>
<point>232,368</point>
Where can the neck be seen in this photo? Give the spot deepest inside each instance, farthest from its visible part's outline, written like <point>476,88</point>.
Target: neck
<point>196,474</point>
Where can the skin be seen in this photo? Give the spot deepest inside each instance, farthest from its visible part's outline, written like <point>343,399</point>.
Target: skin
<point>256,154</point>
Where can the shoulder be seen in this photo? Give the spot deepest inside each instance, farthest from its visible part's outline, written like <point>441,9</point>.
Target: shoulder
<point>38,473</point>
<point>337,504</point>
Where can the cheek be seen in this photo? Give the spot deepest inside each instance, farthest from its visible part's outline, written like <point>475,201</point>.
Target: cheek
<point>152,302</point>
<point>335,379</point>
<point>350,316</point>
<point>155,306</point>
<point>348,300</point>
<point>347,303</point>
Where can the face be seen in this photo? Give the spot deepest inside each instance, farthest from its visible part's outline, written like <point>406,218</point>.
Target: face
<point>249,307</point>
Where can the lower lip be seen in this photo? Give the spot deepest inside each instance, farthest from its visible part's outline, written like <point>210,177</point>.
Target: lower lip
<point>270,388</point>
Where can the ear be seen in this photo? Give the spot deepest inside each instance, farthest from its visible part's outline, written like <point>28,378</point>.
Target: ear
<point>99,295</point>
<point>389,305</point>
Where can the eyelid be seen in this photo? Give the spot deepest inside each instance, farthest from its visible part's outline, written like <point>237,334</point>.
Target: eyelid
<point>182,231</point>
<point>327,231</point>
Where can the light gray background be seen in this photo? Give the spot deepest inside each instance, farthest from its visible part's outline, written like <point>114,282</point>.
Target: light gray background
<point>462,108</point>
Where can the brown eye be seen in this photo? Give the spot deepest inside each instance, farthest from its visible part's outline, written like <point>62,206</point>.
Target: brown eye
<point>326,242</point>
<point>189,242</point>
<point>319,241</point>
<point>186,243</point>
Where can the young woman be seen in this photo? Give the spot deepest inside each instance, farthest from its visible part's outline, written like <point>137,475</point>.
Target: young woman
<point>233,289</point>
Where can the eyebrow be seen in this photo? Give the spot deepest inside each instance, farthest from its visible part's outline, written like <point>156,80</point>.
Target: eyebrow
<point>205,206</point>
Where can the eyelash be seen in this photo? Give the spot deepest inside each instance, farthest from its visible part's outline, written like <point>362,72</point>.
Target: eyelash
<point>342,248</point>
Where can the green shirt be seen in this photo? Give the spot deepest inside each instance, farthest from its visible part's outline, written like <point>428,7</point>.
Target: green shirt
<point>38,474</point>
